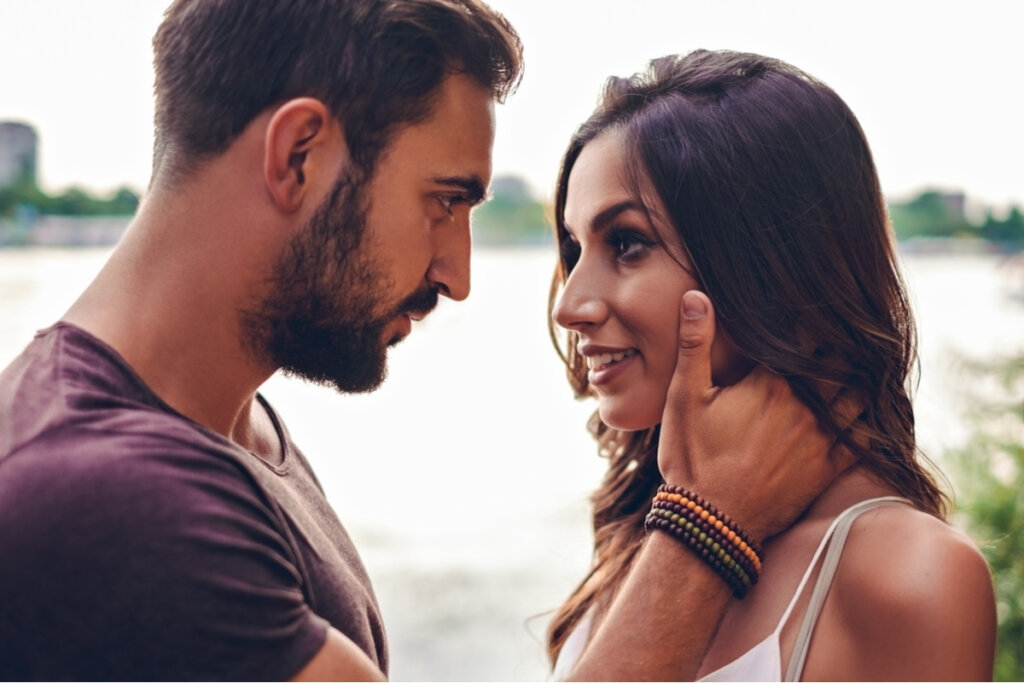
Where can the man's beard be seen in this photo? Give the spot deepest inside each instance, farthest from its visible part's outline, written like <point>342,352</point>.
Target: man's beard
<point>318,320</point>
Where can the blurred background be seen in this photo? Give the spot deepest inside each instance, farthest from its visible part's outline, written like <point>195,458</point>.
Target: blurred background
<point>476,426</point>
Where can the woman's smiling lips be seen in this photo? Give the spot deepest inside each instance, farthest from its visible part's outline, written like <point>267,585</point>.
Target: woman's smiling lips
<point>604,363</point>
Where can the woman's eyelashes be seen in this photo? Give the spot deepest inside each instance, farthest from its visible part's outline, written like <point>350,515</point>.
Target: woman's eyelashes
<point>625,245</point>
<point>570,252</point>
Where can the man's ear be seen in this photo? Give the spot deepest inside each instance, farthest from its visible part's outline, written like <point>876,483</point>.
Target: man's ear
<point>304,148</point>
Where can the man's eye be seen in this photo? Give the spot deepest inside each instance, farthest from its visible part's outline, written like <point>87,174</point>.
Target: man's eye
<point>448,202</point>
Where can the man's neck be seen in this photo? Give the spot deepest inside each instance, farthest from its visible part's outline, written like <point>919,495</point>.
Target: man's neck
<point>168,299</point>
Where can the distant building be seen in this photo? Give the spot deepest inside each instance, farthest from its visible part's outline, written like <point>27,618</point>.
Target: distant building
<point>18,151</point>
<point>510,187</point>
<point>956,203</point>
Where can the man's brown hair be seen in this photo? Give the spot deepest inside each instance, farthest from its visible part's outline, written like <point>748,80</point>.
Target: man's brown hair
<point>376,64</point>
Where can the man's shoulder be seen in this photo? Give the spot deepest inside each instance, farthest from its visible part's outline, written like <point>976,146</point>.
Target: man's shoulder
<point>82,436</point>
<point>101,517</point>
<point>66,380</point>
<point>116,439</point>
<point>68,393</point>
<point>122,476</point>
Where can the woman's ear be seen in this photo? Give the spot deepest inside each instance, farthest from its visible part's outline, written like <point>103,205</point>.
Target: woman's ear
<point>304,149</point>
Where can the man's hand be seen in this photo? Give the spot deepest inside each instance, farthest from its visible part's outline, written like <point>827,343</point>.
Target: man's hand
<point>753,449</point>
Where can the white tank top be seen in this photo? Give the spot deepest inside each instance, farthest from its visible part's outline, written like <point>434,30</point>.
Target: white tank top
<point>763,662</point>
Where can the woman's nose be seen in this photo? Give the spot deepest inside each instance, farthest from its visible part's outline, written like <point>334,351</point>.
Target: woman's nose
<point>581,302</point>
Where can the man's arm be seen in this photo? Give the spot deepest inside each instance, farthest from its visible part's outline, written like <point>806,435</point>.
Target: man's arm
<point>754,451</point>
<point>339,660</point>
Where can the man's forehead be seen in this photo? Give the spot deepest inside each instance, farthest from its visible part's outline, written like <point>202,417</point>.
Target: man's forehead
<point>454,144</point>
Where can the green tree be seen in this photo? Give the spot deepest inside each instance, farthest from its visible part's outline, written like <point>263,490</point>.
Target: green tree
<point>512,216</point>
<point>990,475</point>
<point>930,214</point>
<point>124,202</point>
<point>73,202</point>
<point>1009,231</point>
<point>22,194</point>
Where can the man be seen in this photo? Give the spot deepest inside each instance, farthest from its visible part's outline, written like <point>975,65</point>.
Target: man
<point>314,169</point>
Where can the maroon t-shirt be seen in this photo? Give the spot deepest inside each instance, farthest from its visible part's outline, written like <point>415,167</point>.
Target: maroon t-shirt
<point>136,544</point>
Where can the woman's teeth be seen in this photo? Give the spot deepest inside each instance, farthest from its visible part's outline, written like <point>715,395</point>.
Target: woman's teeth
<point>606,359</point>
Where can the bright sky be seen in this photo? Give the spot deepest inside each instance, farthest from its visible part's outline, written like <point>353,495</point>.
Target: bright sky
<point>938,86</point>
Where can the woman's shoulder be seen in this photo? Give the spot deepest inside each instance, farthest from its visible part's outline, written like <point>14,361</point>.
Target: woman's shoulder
<point>899,554</point>
<point>918,593</point>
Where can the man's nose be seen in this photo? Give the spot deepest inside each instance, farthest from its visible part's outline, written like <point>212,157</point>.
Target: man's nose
<point>452,241</point>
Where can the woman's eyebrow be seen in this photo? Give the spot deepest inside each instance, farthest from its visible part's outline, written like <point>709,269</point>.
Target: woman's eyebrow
<point>608,215</point>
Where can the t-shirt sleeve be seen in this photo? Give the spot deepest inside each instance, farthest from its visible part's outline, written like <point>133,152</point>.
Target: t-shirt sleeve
<point>164,563</point>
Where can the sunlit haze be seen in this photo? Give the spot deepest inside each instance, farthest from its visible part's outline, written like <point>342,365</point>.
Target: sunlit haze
<point>936,85</point>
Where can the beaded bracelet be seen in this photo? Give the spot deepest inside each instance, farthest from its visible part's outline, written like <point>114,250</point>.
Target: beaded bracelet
<point>711,551</point>
<point>697,500</point>
<point>718,534</point>
<point>704,519</point>
<point>729,551</point>
<point>739,586</point>
<point>697,506</point>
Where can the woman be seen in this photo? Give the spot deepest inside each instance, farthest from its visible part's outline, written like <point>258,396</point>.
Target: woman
<point>744,178</point>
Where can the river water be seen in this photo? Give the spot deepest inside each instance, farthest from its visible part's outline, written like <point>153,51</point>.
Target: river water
<point>476,433</point>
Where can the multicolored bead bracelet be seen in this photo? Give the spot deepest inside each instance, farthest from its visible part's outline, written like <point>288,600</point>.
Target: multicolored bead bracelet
<point>730,552</point>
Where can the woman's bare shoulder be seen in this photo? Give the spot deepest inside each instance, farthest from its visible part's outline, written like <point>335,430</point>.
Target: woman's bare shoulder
<point>917,593</point>
<point>898,554</point>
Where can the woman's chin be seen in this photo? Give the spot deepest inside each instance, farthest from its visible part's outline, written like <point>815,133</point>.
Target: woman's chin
<point>625,418</point>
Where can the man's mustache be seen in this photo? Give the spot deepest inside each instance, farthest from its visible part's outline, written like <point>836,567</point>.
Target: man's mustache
<point>420,302</point>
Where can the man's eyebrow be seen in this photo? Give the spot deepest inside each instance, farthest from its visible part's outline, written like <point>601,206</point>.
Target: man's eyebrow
<point>606,216</point>
<point>472,186</point>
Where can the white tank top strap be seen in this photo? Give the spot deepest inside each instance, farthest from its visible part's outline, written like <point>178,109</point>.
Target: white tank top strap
<point>837,532</point>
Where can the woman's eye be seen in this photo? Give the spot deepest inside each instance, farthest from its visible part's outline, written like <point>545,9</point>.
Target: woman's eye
<point>627,245</point>
<point>570,254</point>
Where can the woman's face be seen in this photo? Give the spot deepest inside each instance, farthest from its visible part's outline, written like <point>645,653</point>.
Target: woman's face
<point>623,292</point>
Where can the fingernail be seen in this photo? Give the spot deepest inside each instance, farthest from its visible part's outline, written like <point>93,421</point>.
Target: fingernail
<point>694,307</point>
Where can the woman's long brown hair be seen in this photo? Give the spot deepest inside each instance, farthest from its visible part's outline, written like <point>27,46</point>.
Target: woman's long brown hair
<point>767,177</point>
